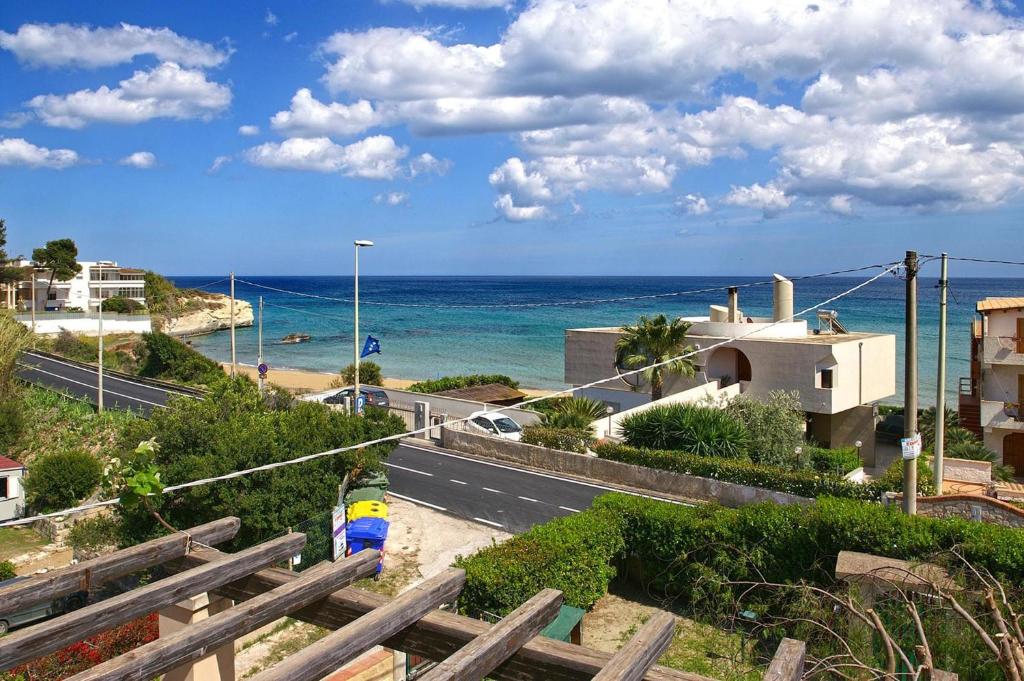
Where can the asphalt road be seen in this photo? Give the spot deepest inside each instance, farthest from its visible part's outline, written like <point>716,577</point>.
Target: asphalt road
<point>118,393</point>
<point>504,497</point>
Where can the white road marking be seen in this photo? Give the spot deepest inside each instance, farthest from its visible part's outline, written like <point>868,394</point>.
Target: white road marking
<point>488,522</point>
<point>457,482</point>
<point>529,499</point>
<point>496,491</point>
<point>545,475</point>
<point>91,387</point>
<point>106,376</point>
<point>411,470</point>
<point>417,501</point>
<point>566,508</point>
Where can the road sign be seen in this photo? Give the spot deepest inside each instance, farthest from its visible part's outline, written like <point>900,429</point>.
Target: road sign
<point>360,403</point>
<point>263,368</point>
<point>338,531</point>
<point>911,447</point>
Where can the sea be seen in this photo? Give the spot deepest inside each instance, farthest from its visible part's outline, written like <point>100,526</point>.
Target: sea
<point>507,335</point>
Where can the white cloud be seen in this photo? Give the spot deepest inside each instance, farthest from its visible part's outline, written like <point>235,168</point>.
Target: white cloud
<point>693,204</point>
<point>140,159</point>
<point>769,198</point>
<point>840,204</point>
<point>167,91</point>
<point>248,130</point>
<point>218,163</point>
<point>16,151</point>
<point>270,19</point>
<point>308,117</point>
<point>93,47</point>
<point>291,36</point>
<point>15,119</point>
<point>392,198</point>
<point>375,158</point>
<point>428,164</point>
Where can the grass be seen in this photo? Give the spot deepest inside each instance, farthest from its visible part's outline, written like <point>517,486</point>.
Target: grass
<point>14,541</point>
<point>292,640</point>
<point>703,649</point>
<point>398,574</point>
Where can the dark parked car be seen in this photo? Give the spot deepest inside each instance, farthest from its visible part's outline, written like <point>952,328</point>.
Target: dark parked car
<point>40,611</point>
<point>375,397</point>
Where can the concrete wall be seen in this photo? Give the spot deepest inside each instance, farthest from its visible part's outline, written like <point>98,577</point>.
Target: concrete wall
<point>13,505</point>
<point>88,326</point>
<point>966,470</point>
<point>968,507</point>
<point>1002,322</point>
<point>627,475</point>
<point>847,427</point>
<point>453,407</point>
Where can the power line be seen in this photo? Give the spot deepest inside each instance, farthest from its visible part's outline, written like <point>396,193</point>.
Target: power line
<point>391,438</point>
<point>561,303</point>
<point>988,261</point>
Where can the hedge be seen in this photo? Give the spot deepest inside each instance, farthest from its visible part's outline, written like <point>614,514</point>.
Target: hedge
<point>453,382</point>
<point>61,479</point>
<point>566,439</point>
<point>842,459</point>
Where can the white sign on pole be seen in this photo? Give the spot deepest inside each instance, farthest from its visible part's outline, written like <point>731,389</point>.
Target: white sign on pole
<point>911,447</point>
<point>338,532</point>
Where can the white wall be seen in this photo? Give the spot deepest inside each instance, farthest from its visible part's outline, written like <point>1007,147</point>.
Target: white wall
<point>88,326</point>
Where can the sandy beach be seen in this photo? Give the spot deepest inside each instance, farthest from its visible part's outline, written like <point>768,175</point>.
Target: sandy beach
<point>303,381</point>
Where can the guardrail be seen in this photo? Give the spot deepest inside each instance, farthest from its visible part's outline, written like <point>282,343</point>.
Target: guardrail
<point>198,393</point>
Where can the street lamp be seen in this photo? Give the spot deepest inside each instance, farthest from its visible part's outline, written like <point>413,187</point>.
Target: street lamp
<point>358,243</point>
<point>609,410</point>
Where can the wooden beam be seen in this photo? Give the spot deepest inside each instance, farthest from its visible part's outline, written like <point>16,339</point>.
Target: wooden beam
<point>439,634</point>
<point>640,653</point>
<point>788,663</point>
<point>196,640</point>
<point>90,573</point>
<point>42,639</point>
<point>486,652</point>
<point>344,645</point>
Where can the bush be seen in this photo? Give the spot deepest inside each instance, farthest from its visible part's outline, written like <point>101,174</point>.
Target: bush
<point>93,534</point>
<point>776,426</point>
<point>699,430</point>
<point>14,338</point>
<point>369,374</point>
<point>74,347</point>
<point>60,480</point>
<point>168,358</point>
<point>7,570</point>
<point>892,479</point>
<point>838,461</point>
<point>122,305</point>
<point>453,382</point>
<point>12,421</point>
<point>566,439</point>
<point>574,412</point>
<point>572,554</point>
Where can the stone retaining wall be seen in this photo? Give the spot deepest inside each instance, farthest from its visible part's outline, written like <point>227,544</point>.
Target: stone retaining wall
<point>968,507</point>
<point>627,475</point>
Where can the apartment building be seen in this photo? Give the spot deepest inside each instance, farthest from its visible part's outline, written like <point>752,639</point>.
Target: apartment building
<point>97,281</point>
<point>991,397</point>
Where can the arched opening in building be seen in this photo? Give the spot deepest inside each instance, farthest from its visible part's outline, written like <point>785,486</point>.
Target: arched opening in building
<point>1013,453</point>
<point>727,365</point>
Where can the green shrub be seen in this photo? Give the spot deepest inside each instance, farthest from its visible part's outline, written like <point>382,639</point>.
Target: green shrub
<point>574,412</point>
<point>566,439</point>
<point>94,533</point>
<point>7,570</point>
<point>122,305</point>
<point>775,425</point>
<point>12,421</point>
<point>168,358</point>
<point>699,430</point>
<point>892,479</point>
<point>369,374</point>
<point>573,554</point>
<point>61,479</point>
<point>453,382</point>
<point>838,461</point>
<point>75,347</point>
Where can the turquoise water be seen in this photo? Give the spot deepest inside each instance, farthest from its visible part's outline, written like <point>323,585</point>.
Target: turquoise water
<point>527,343</point>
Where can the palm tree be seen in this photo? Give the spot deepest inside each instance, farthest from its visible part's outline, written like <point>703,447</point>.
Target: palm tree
<point>654,341</point>
<point>574,412</point>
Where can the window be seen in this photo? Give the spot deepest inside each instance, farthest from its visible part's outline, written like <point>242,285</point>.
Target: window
<point>51,296</point>
<point>485,424</point>
<point>4,488</point>
<point>826,379</point>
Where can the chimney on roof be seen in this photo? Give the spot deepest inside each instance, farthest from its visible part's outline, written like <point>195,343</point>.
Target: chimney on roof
<point>734,304</point>
<point>782,308</point>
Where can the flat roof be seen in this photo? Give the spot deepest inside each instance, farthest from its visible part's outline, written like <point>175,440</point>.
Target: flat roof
<point>812,338</point>
<point>990,304</point>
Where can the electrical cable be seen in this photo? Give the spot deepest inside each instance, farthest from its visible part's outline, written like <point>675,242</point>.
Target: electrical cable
<point>400,436</point>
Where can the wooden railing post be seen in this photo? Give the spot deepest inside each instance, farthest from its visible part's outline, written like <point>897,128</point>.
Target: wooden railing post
<point>788,663</point>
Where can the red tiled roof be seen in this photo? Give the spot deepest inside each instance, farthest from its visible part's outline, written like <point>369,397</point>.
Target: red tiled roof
<point>7,464</point>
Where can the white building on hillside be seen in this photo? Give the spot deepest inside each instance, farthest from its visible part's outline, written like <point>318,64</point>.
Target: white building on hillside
<point>837,374</point>
<point>97,281</point>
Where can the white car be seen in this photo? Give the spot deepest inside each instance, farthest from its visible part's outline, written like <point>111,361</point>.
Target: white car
<point>496,424</point>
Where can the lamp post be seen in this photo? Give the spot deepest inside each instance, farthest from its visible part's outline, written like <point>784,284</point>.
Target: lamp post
<point>357,244</point>
<point>858,444</point>
<point>609,410</point>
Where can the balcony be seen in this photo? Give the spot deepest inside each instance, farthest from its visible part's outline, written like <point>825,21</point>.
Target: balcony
<point>1002,350</point>
<point>1005,415</point>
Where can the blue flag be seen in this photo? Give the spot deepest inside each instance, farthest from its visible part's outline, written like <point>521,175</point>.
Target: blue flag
<point>371,346</point>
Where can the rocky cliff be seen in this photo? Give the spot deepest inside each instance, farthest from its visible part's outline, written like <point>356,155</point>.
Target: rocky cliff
<point>206,314</point>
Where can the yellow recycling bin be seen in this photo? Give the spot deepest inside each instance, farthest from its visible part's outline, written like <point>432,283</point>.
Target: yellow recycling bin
<point>368,509</point>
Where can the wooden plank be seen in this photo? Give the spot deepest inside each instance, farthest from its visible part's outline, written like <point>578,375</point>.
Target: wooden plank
<point>346,644</point>
<point>32,642</point>
<point>439,634</point>
<point>90,573</point>
<point>788,663</point>
<point>196,640</point>
<point>640,653</point>
<point>486,652</point>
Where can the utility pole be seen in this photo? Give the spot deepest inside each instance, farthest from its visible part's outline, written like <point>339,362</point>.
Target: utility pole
<point>360,243</point>
<point>910,384</point>
<point>99,375</point>
<point>940,385</point>
<point>259,360</point>
<point>233,364</point>
<point>33,301</point>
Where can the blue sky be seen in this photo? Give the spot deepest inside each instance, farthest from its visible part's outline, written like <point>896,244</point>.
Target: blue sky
<point>491,137</point>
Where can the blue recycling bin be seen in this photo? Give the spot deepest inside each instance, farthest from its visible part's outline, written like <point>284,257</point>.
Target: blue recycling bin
<point>367,533</point>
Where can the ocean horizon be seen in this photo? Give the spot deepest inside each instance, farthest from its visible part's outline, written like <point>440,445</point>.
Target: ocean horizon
<point>527,343</point>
